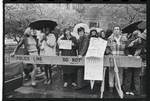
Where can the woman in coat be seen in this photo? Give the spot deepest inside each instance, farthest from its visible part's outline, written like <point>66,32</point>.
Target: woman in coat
<point>49,41</point>
<point>102,35</point>
<point>65,52</point>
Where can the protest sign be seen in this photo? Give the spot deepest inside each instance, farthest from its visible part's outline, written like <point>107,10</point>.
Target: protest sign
<point>94,59</point>
<point>65,44</point>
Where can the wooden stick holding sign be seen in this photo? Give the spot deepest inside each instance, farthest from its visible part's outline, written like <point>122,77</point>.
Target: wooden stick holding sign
<point>118,86</point>
<point>103,82</point>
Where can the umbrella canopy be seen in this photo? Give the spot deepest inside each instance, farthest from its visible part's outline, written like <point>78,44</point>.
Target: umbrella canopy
<point>142,25</point>
<point>40,24</point>
<point>85,26</point>
<point>131,27</point>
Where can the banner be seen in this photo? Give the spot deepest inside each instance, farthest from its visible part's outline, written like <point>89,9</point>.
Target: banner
<point>122,61</point>
<point>65,44</point>
<point>94,59</point>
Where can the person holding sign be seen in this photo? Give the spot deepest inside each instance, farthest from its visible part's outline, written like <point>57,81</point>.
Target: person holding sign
<point>117,44</point>
<point>83,44</point>
<point>69,52</point>
<point>32,47</point>
<point>49,50</point>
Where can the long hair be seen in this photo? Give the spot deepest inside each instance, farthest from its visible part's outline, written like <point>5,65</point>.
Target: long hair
<point>27,32</point>
<point>65,31</point>
<point>101,34</point>
<point>108,33</point>
<point>96,35</point>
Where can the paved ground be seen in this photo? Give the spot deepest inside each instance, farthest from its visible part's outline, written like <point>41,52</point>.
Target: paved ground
<point>56,90</point>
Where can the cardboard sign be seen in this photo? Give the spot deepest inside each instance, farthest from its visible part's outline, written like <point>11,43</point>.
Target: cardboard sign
<point>96,48</point>
<point>93,68</point>
<point>94,59</point>
<point>65,44</point>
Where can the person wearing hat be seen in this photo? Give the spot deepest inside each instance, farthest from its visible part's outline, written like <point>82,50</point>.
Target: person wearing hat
<point>136,47</point>
<point>32,48</point>
<point>93,33</point>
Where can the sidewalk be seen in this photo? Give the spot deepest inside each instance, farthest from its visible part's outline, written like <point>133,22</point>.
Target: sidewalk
<point>56,90</point>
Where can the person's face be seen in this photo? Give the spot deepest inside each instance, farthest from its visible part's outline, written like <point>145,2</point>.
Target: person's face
<point>93,33</point>
<point>102,34</point>
<point>47,31</point>
<point>81,33</point>
<point>67,32</point>
<point>116,30</point>
<point>33,32</point>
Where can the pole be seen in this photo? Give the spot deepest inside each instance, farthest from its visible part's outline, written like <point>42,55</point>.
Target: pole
<point>117,84</point>
<point>103,83</point>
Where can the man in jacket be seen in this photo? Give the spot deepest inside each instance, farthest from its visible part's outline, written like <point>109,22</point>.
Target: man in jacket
<point>116,46</point>
<point>83,44</point>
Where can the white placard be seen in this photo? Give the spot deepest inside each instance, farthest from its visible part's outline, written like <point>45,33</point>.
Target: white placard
<point>94,59</point>
<point>65,44</point>
<point>93,68</point>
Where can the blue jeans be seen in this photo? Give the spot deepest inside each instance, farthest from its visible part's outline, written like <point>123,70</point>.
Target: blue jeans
<point>136,78</point>
<point>112,76</point>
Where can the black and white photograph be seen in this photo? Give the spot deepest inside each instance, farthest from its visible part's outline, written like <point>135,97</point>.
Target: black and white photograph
<point>74,50</point>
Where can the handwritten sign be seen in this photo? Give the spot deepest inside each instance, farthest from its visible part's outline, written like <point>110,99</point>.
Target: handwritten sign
<point>97,47</point>
<point>65,44</point>
<point>94,59</point>
<point>94,68</point>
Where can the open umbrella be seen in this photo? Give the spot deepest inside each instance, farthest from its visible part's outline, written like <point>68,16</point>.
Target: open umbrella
<point>40,24</point>
<point>142,25</point>
<point>131,27</point>
<point>85,26</point>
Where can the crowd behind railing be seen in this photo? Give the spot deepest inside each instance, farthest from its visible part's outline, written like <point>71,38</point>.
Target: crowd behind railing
<point>47,44</point>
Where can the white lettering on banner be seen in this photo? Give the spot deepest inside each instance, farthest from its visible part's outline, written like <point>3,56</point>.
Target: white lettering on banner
<point>94,59</point>
<point>65,44</point>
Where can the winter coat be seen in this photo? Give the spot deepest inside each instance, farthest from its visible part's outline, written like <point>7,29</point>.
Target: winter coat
<point>51,40</point>
<point>83,44</point>
<point>72,52</point>
<point>114,49</point>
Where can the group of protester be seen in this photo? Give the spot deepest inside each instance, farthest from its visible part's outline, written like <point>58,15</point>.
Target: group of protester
<point>118,44</point>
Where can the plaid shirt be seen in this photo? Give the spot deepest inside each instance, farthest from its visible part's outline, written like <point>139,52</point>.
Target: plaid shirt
<point>113,48</point>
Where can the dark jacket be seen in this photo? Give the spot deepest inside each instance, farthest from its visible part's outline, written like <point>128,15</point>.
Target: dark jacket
<point>131,50</point>
<point>138,49</point>
<point>72,52</point>
<point>83,44</point>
